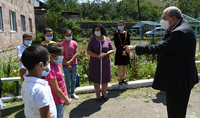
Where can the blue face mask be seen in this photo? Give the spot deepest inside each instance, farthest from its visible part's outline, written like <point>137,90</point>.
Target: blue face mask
<point>60,58</point>
<point>46,70</point>
<point>68,38</point>
<point>48,38</point>
<point>27,42</point>
<point>120,27</point>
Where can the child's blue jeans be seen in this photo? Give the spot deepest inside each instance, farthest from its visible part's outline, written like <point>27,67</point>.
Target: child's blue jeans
<point>60,110</point>
<point>70,75</point>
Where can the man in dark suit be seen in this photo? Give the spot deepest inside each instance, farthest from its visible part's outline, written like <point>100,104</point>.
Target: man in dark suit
<point>176,70</point>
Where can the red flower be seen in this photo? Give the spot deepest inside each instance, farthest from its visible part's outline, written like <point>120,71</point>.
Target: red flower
<point>83,51</point>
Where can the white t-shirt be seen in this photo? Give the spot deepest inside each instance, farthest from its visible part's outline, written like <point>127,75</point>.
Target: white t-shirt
<point>20,50</point>
<point>36,93</point>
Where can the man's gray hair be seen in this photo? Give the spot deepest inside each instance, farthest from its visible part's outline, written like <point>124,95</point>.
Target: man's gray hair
<point>174,11</point>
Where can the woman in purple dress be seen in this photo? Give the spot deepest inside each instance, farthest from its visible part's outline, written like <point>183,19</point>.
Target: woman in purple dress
<point>121,38</point>
<point>99,48</point>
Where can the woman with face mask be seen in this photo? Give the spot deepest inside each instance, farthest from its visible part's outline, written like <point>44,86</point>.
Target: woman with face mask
<point>121,38</point>
<point>99,48</point>
<point>47,36</point>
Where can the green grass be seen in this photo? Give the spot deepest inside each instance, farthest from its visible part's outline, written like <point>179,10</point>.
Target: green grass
<point>13,110</point>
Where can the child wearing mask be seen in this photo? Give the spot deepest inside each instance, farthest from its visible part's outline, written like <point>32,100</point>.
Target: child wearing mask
<point>47,36</point>
<point>36,93</point>
<point>56,80</point>
<point>27,40</point>
<point>70,62</point>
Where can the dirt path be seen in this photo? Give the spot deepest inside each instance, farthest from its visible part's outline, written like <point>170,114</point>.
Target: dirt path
<point>133,103</point>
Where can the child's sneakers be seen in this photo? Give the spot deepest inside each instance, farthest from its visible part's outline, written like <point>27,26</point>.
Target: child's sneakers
<point>69,96</point>
<point>74,96</point>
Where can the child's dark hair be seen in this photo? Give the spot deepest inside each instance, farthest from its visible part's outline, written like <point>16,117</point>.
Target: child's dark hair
<point>32,55</point>
<point>45,31</point>
<point>103,30</point>
<point>68,30</point>
<point>55,48</point>
<point>36,43</point>
<point>121,21</point>
<point>26,35</point>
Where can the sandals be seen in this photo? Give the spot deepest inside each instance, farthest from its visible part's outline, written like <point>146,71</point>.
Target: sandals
<point>98,100</point>
<point>106,98</point>
<point>122,81</point>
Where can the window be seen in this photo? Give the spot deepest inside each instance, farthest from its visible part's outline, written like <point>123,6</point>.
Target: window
<point>30,25</point>
<point>29,1</point>
<point>12,21</point>
<point>1,21</point>
<point>23,23</point>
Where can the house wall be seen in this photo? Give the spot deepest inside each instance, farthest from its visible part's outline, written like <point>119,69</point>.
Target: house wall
<point>20,7</point>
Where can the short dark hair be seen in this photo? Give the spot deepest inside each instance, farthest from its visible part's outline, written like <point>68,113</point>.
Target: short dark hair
<point>26,35</point>
<point>45,31</point>
<point>121,21</point>
<point>103,30</point>
<point>55,48</point>
<point>37,43</point>
<point>33,55</point>
<point>68,30</point>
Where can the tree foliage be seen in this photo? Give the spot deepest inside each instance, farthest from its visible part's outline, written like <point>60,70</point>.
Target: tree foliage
<point>75,28</point>
<point>125,9</point>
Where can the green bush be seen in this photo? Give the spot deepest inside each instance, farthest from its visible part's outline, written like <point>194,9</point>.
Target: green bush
<point>38,36</point>
<point>73,26</point>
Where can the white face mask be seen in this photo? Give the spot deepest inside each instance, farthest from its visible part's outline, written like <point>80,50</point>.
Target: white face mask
<point>97,33</point>
<point>165,24</point>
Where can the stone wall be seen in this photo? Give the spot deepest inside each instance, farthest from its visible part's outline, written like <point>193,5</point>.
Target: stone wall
<point>20,7</point>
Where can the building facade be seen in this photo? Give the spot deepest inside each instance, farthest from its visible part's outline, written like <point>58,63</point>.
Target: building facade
<point>16,18</point>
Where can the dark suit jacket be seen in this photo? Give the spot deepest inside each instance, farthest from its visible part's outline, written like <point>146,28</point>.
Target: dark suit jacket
<point>176,69</point>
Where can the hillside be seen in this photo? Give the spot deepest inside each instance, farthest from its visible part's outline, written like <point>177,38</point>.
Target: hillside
<point>157,3</point>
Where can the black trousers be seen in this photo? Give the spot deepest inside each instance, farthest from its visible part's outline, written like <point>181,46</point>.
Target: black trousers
<point>177,103</point>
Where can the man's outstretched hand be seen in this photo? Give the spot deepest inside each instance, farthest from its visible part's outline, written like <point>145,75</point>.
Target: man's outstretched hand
<point>129,48</point>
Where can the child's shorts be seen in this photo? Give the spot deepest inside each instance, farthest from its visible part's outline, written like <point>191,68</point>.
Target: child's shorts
<point>1,105</point>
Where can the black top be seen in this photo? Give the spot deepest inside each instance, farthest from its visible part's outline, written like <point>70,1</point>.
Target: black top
<point>176,68</point>
<point>120,41</point>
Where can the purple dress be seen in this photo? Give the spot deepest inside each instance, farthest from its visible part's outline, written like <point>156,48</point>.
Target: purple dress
<point>100,69</point>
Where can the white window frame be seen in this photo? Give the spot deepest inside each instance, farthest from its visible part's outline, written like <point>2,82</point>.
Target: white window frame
<point>23,24</point>
<point>30,25</point>
<point>12,22</point>
<point>1,21</point>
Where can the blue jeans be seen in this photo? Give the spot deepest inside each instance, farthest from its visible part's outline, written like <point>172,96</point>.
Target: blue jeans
<point>70,75</point>
<point>60,110</point>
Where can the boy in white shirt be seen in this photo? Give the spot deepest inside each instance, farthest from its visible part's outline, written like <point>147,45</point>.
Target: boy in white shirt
<point>27,40</point>
<point>36,93</point>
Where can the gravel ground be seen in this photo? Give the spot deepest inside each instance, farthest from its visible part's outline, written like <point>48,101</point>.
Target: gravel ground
<point>133,103</point>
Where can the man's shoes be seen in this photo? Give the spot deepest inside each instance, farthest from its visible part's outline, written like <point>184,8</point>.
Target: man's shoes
<point>74,96</point>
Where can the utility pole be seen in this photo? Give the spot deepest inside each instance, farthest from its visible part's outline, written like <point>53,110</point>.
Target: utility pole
<point>139,10</point>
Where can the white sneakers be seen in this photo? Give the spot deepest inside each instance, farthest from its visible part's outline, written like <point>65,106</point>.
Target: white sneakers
<point>69,96</point>
<point>74,96</point>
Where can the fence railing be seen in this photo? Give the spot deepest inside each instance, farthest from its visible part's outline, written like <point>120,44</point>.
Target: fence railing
<point>16,79</point>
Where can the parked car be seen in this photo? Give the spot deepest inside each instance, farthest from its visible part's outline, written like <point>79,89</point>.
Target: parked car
<point>158,31</point>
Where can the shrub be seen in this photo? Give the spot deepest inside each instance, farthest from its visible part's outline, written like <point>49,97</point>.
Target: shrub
<point>72,25</point>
